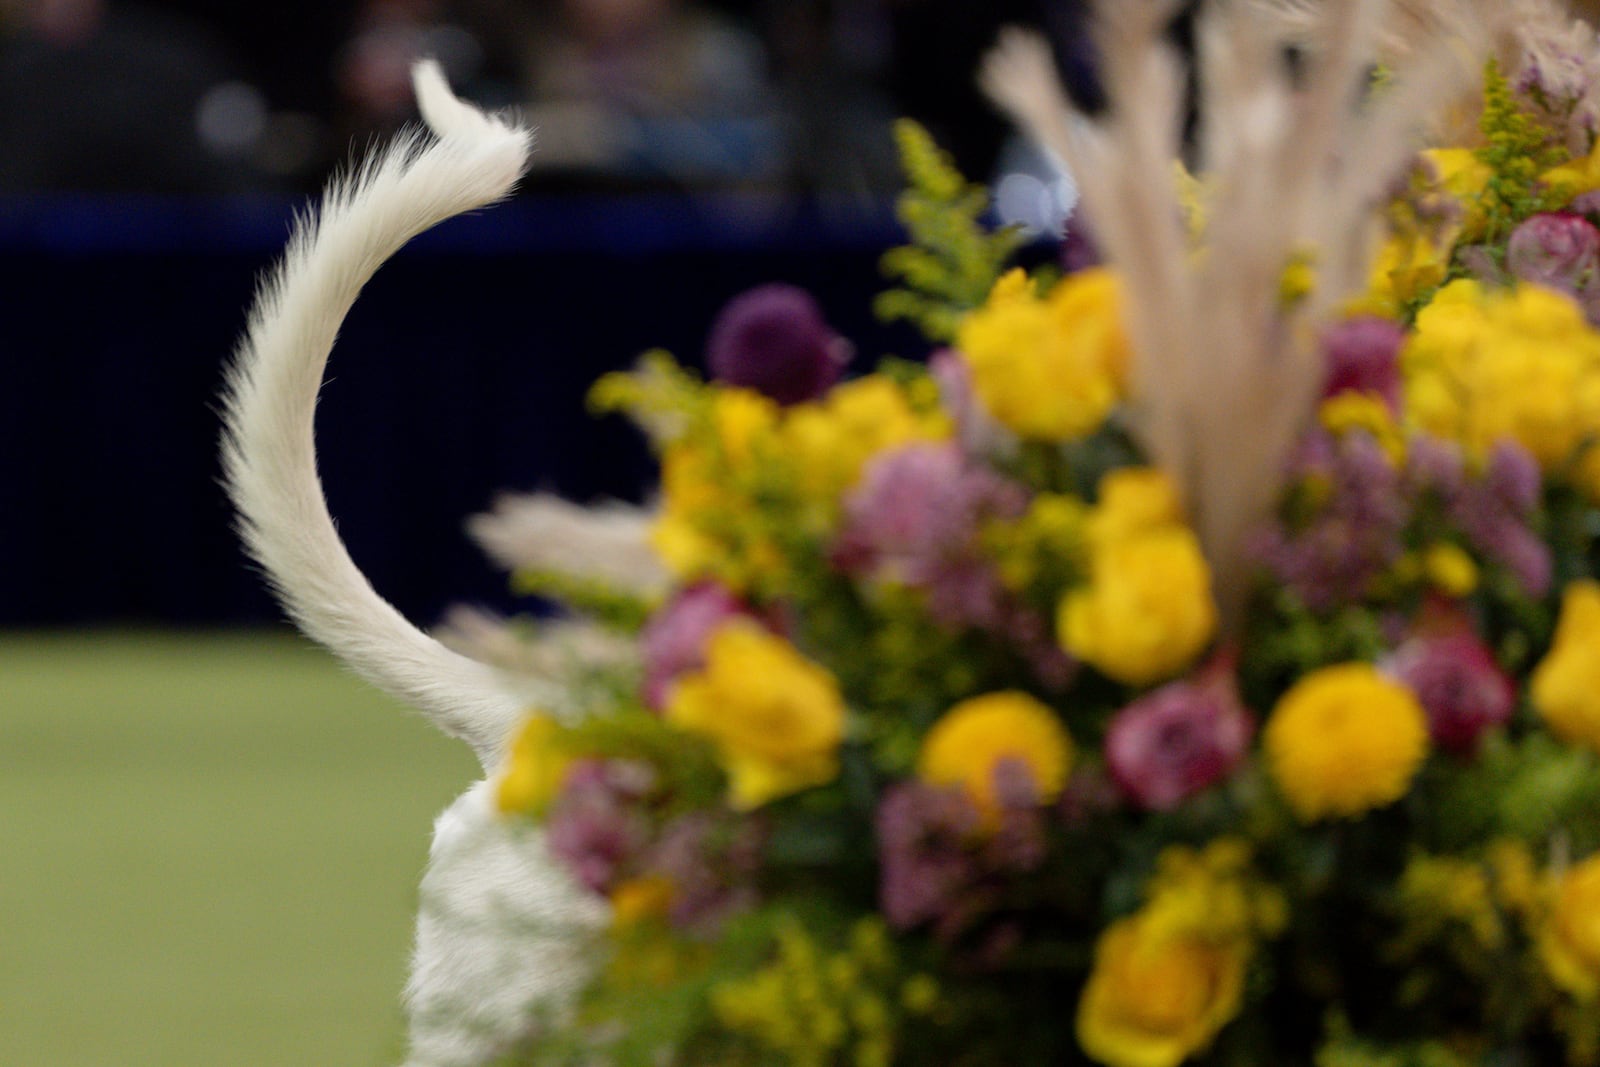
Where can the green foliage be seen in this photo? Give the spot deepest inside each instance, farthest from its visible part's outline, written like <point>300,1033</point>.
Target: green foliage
<point>690,776</point>
<point>953,260</point>
<point>659,394</point>
<point>615,608</point>
<point>1518,151</point>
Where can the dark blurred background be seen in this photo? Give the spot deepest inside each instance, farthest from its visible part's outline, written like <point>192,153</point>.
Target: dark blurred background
<point>151,158</point>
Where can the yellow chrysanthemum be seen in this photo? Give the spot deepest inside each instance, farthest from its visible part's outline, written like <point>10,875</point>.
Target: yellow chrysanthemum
<point>1565,686</point>
<point>1146,612</point>
<point>1155,997</point>
<point>776,718</point>
<point>534,769</point>
<point>1450,569</point>
<point>1521,363</point>
<point>965,745</point>
<point>1569,938</point>
<point>1049,369</point>
<point>1344,740</point>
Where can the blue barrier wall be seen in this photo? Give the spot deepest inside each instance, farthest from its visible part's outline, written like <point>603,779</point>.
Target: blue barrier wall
<point>461,371</point>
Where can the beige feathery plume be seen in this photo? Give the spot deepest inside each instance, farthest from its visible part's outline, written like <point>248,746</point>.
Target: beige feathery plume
<point>1226,374</point>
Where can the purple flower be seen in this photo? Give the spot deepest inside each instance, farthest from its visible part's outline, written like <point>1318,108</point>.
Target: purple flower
<point>1496,510</point>
<point>1331,557</point>
<point>599,823</point>
<point>924,834</point>
<point>774,340</point>
<point>1461,688</point>
<point>939,862</point>
<point>710,859</point>
<point>1363,355</point>
<point>1178,740</point>
<point>1561,252</point>
<point>674,640</point>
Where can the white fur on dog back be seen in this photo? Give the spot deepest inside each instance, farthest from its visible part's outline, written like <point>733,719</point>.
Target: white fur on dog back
<point>268,449</point>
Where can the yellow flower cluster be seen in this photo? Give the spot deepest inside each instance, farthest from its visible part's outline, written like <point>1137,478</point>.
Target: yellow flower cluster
<point>1045,539</point>
<point>1343,741</point>
<point>1352,410</point>
<point>1146,611</point>
<point>776,718</point>
<point>1050,368</point>
<point>534,768</point>
<point>731,490</point>
<point>813,1009</point>
<point>1565,686</point>
<point>1518,363</point>
<point>1169,977</point>
<point>964,746</point>
<point>1569,938</point>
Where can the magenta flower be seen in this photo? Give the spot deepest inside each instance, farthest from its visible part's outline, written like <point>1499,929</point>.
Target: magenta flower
<point>674,640</point>
<point>1561,252</point>
<point>1179,739</point>
<point>1363,355</point>
<point>599,822</point>
<point>773,339</point>
<point>1461,688</point>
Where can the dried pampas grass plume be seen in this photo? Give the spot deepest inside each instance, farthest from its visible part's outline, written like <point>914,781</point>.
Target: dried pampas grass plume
<point>1226,374</point>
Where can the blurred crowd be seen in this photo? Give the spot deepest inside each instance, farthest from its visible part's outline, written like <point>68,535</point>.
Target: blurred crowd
<point>188,96</point>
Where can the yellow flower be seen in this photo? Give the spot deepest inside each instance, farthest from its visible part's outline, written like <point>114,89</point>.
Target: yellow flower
<point>1345,740</point>
<point>830,440</point>
<point>1465,177</point>
<point>1133,500</point>
<point>1577,176</point>
<point>1352,410</point>
<point>1450,569</point>
<point>1565,686</point>
<point>640,900</point>
<point>1156,997</point>
<point>1520,363</point>
<point>964,746</point>
<point>1049,369</point>
<point>1146,612</point>
<point>534,769</point>
<point>1569,940</point>
<point>776,718</point>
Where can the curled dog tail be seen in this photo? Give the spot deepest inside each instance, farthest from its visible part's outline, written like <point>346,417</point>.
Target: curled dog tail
<point>268,447</point>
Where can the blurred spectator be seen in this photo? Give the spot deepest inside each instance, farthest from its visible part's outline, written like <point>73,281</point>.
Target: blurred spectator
<point>101,96</point>
<point>647,91</point>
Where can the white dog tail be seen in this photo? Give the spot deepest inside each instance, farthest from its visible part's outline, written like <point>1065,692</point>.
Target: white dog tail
<point>268,447</point>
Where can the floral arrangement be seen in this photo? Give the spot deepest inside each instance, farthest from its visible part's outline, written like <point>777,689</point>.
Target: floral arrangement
<point>1197,659</point>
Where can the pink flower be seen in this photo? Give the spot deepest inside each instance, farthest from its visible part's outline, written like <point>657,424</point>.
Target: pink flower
<point>1561,252</point>
<point>1461,688</point>
<point>674,640</point>
<point>774,340</point>
<point>1179,739</point>
<point>1363,356</point>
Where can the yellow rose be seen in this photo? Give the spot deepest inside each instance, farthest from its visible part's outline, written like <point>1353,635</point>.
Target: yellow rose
<point>971,738</point>
<point>1344,740</point>
<point>1155,997</point>
<point>1146,612</point>
<point>776,718</point>
<point>534,768</point>
<point>1048,369</point>
<point>1569,939</point>
<point>1565,687</point>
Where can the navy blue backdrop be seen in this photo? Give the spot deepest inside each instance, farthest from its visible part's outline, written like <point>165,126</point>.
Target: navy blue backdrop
<point>461,371</point>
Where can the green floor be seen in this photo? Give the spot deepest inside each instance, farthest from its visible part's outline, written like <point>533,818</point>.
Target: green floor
<point>209,850</point>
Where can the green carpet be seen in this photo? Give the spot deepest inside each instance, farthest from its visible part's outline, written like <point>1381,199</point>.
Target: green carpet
<point>209,851</point>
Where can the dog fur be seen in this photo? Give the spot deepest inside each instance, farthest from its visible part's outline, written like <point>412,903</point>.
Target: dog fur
<point>501,929</point>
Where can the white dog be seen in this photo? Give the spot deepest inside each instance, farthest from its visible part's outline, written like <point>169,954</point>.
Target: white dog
<point>502,932</point>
